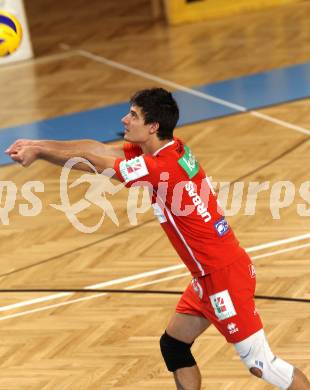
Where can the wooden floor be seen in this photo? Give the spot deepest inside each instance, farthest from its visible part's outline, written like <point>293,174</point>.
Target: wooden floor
<point>110,341</point>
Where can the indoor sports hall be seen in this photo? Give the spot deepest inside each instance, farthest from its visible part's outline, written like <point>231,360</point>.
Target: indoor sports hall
<point>86,291</point>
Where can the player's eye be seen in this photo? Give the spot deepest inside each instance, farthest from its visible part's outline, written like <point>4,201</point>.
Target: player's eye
<point>133,114</point>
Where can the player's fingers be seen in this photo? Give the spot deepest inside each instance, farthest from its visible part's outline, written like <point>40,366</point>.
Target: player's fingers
<point>10,149</point>
<point>14,149</point>
<point>17,145</point>
<point>17,157</point>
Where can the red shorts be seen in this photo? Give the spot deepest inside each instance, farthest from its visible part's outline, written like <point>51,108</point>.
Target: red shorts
<point>226,298</point>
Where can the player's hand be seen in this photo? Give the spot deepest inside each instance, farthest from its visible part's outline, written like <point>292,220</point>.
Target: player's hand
<point>26,155</point>
<point>19,144</point>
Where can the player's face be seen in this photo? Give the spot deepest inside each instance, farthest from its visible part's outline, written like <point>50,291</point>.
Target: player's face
<point>135,128</point>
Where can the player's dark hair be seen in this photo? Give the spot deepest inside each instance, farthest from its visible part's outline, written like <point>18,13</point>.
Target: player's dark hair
<point>158,105</point>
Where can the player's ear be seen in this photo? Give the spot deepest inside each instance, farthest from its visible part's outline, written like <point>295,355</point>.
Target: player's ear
<point>154,127</point>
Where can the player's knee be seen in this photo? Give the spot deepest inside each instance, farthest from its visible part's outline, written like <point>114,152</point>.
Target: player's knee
<point>176,354</point>
<point>256,372</point>
<point>262,363</point>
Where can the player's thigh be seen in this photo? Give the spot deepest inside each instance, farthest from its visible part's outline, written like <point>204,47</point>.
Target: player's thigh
<point>187,328</point>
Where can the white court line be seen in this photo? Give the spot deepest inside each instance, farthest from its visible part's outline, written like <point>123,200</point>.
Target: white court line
<point>116,281</point>
<point>279,242</point>
<point>10,316</point>
<point>39,60</point>
<point>157,281</point>
<point>34,301</point>
<point>94,286</point>
<point>35,61</point>
<point>149,76</point>
<point>90,297</point>
<point>23,313</point>
<point>279,122</point>
<point>143,275</point>
<point>290,249</point>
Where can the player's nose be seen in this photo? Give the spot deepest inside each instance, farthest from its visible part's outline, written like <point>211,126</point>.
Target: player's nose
<point>125,119</point>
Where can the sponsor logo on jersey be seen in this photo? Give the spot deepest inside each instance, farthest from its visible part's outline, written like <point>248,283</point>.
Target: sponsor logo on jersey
<point>232,328</point>
<point>196,199</point>
<point>221,227</point>
<point>133,169</point>
<point>189,163</point>
<point>222,305</point>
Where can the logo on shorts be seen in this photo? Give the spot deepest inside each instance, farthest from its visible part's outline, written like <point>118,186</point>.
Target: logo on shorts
<point>232,328</point>
<point>222,305</point>
<point>197,288</point>
<point>252,271</point>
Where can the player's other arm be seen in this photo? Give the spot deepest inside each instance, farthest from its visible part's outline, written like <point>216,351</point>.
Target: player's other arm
<point>85,146</point>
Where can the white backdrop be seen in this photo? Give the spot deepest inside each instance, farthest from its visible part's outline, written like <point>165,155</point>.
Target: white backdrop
<point>16,7</point>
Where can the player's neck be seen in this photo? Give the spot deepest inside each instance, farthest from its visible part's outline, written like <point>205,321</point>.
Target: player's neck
<point>153,145</point>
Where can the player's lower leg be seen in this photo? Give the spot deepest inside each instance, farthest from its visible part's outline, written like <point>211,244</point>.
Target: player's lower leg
<point>300,381</point>
<point>187,378</point>
<point>262,363</point>
<point>180,361</point>
<point>175,345</point>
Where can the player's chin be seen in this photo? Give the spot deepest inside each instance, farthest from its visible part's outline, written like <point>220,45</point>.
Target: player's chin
<point>126,136</point>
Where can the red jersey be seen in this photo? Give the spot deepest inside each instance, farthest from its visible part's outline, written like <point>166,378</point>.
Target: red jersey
<point>185,204</point>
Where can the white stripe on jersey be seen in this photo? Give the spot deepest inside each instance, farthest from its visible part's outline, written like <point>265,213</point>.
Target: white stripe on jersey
<point>182,238</point>
<point>163,147</point>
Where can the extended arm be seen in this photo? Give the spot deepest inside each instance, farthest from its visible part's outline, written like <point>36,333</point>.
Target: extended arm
<point>85,145</point>
<point>26,153</point>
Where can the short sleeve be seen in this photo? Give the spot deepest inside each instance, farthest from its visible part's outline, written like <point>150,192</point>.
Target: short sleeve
<point>131,150</point>
<point>140,169</point>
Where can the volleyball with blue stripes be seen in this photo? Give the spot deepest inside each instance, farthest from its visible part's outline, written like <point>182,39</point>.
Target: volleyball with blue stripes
<point>10,33</point>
